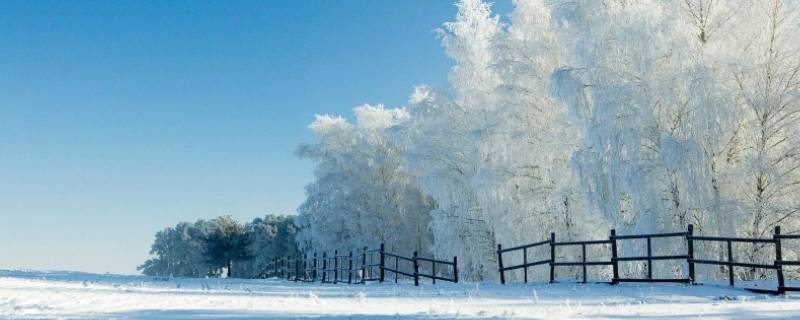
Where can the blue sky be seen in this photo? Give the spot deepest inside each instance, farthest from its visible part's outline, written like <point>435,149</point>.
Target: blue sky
<point>119,118</point>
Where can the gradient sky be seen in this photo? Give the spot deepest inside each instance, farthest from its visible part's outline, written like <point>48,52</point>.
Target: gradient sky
<point>119,118</point>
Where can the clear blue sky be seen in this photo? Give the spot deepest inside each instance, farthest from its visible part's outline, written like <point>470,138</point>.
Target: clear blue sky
<point>119,118</point>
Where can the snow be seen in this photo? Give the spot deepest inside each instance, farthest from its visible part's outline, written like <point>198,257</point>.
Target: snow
<point>34,294</point>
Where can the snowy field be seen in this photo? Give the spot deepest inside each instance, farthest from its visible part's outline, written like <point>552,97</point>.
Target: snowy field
<point>35,295</point>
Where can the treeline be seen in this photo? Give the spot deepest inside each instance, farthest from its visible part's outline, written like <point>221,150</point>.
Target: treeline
<point>209,248</point>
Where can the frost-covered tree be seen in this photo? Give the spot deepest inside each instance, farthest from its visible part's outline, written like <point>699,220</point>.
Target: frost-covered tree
<point>442,143</point>
<point>180,252</point>
<point>268,237</point>
<point>226,241</point>
<point>764,73</point>
<point>362,195</point>
<point>207,247</point>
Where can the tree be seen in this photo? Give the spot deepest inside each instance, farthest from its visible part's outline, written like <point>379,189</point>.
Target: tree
<point>269,237</point>
<point>766,76</point>
<point>180,252</point>
<point>226,241</point>
<point>206,247</point>
<point>443,139</point>
<point>362,194</point>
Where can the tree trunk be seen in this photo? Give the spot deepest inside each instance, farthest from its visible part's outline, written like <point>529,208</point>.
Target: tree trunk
<point>229,268</point>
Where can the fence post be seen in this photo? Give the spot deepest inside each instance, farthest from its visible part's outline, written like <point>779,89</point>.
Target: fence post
<point>730,263</point>
<point>307,271</point>
<point>525,262</point>
<point>285,267</point>
<point>350,273</point>
<point>296,267</point>
<point>335,266</point>
<point>552,257</point>
<point>382,261</point>
<point>305,267</point>
<point>396,267</point>
<point>364,266</point>
<point>314,272</point>
<point>455,269</point>
<point>416,269</point>
<point>778,259</point>
<point>324,266</point>
<point>500,264</point>
<point>583,259</point>
<point>433,272</point>
<point>614,263</point>
<point>649,259</point>
<point>690,249</point>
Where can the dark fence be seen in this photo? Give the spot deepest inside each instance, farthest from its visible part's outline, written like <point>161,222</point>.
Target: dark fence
<point>373,264</point>
<point>649,258</point>
<point>370,269</point>
<point>687,257</point>
<point>414,272</point>
<point>369,265</point>
<point>583,263</point>
<point>453,265</point>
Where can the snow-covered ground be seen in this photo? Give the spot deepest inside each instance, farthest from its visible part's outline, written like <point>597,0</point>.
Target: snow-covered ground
<point>30,294</point>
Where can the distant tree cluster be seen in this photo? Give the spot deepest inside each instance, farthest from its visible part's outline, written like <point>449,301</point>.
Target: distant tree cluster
<point>575,117</point>
<point>207,248</point>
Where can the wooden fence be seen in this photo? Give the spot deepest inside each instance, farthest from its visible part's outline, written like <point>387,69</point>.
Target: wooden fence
<point>688,257</point>
<point>375,264</point>
<point>365,266</point>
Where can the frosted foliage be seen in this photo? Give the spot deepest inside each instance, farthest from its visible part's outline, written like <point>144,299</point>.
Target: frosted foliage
<point>378,117</point>
<point>575,117</point>
<point>468,41</point>
<point>326,124</point>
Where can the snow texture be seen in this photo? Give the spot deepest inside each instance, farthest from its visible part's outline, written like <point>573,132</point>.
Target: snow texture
<point>32,294</point>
